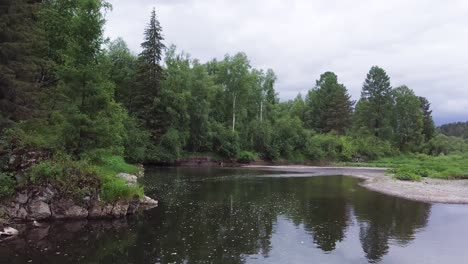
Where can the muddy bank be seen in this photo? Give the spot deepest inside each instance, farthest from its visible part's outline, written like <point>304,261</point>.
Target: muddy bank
<point>375,179</point>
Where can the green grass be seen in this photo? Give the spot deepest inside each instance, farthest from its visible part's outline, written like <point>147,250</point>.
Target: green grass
<point>415,166</point>
<point>112,187</point>
<point>78,178</point>
<point>116,164</point>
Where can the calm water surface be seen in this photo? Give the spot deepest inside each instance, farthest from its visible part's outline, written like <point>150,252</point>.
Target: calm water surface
<point>245,216</point>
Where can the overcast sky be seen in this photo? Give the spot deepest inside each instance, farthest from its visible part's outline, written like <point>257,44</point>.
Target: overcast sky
<point>420,43</point>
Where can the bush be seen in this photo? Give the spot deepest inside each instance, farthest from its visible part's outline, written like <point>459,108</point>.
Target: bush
<point>247,156</point>
<point>406,174</point>
<point>442,144</point>
<point>225,142</point>
<point>136,141</point>
<point>372,148</point>
<point>7,185</point>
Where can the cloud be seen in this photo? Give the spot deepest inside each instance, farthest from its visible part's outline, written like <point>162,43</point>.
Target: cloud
<point>420,43</point>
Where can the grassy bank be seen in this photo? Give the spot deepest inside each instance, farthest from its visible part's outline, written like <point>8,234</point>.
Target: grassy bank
<point>77,179</point>
<point>416,166</point>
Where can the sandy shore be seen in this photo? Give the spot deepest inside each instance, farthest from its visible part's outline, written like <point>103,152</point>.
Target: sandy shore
<point>428,190</point>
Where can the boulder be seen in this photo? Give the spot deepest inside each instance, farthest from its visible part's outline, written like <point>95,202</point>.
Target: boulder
<point>76,212</point>
<point>95,211</point>
<point>22,214</point>
<point>148,203</point>
<point>67,209</point>
<point>129,178</point>
<point>133,206</point>
<point>39,210</point>
<point>100,211</point>
<point>120,209</point>
<point>22,198</point>
<point>47,194</point>
<point>9,231</point>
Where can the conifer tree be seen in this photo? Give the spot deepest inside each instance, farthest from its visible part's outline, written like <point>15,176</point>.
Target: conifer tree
<point>147,104</point>
<point>23,61</point>
<point>329,106</point>
<point>428,123</point>
<point>374,110</point>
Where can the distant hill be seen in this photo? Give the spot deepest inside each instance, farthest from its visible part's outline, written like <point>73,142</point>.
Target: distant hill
<point>458,129</point>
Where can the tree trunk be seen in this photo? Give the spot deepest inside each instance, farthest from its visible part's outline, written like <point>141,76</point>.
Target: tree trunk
<point>261,111</point>
<point>234,113</point>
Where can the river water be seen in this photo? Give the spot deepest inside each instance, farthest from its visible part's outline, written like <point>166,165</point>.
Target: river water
<point>218,215</point>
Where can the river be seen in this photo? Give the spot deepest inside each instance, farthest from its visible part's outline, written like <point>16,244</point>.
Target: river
<point>215,215</point>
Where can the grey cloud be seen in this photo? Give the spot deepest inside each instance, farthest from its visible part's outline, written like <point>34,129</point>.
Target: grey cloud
<point>421,43</point>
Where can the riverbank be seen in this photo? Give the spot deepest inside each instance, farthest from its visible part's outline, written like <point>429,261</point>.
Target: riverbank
<point>375,179</point>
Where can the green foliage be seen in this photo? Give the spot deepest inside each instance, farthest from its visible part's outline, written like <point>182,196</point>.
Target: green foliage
<point>429,129</point>
<point>441,144</point>
<point>406,174</point>
<point>7,185</point>
<point>225,141</point>
<point>458,129</point>
<point>247,156</point>
<point>113,189</point>
<point>374,109</point>
<point>328,105</point>
<point>115,164</point>
<point>24,66</point>
<point>408,119</point>
<point>137,141</point>
<point>443,167</point>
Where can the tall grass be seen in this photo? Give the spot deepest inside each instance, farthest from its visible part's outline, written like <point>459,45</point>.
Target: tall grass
<point>411,166</point>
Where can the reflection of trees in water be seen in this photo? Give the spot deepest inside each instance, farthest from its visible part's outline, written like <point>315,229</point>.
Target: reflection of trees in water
<point>322,208</point>
<point>71,242</point>
<point>236,217</point>
<point>222,221</point>
<point>383,217</point>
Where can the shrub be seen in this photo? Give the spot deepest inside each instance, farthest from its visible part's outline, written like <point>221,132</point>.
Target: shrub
<point>136,141</point>
<point>247,156</point>
<point>7,185</point>
<point>406,174</point>
<point>225,141</point>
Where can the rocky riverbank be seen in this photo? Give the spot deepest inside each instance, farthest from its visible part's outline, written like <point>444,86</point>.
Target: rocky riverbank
<point>46,204</point>
<point>375,179</point>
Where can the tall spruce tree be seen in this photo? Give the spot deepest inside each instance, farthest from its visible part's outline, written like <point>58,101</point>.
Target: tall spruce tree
<point>374,110</point>
<point>428,123</point>
<point>329,106</point>
<point>147,105</point>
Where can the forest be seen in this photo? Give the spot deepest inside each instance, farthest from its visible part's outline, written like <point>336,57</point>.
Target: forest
<point>92,105</point>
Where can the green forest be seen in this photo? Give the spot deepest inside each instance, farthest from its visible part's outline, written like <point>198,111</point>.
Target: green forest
<point>94,107</point>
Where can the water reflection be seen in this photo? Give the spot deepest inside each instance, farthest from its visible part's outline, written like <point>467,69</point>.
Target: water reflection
<point>233,216</point>
<point>228,219</point>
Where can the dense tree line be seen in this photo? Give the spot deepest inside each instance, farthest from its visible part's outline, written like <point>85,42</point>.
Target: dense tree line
<point>66,89</point>
<point>458,129</point>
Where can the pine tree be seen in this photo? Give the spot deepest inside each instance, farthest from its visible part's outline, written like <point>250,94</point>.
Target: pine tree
<point>428,123</point>
<point>23,61</point>
<point>147,105</point>
<point>329,106</point>
<point>374,111</point>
